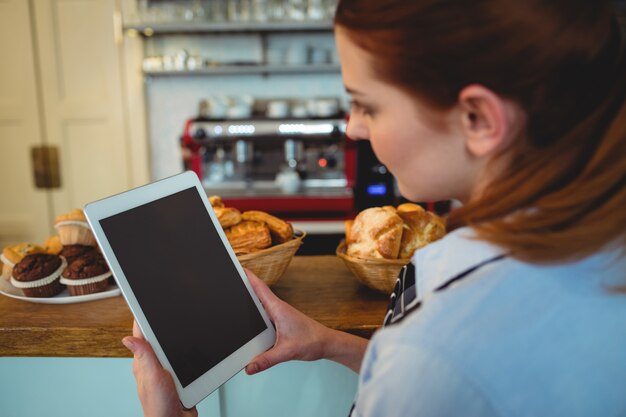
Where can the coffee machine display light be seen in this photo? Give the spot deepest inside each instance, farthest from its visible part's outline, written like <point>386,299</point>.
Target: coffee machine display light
<point>210,130</point>
<point>237,130</point>
<point>377,189</point>
<point>310,129</point>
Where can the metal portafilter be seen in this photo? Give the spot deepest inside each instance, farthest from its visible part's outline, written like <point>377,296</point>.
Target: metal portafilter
<point>243,151</point>
<point>288,178</point>
<point>244,154</point>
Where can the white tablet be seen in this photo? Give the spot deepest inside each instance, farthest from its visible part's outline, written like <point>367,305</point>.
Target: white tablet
<point>182,281</point>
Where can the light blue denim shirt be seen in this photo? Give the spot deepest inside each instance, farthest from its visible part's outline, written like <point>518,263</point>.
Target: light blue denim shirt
<point>509,339</point>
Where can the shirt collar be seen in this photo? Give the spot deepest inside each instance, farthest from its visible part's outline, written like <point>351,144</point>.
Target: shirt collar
<point>448,257</point>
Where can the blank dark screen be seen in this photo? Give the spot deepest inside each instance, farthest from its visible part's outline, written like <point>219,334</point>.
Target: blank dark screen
<point>184,281</point>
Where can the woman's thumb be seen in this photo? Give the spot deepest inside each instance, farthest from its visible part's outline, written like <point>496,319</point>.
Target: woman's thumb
<point>142,351</point>
<point>264,361</point>
<point>266,296</point>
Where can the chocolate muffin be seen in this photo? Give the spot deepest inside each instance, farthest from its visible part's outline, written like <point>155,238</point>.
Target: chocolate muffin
<point>37,275</point>
<point>72,252</point>
<point>86,274</point>
<point>15,253</point>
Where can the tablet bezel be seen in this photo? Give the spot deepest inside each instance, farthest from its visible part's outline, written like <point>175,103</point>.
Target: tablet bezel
<point>208,382</point>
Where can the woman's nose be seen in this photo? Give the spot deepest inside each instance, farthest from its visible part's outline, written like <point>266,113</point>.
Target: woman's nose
<point>356,129</point>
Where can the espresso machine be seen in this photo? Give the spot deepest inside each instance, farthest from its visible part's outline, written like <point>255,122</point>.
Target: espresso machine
<point>299,167</point>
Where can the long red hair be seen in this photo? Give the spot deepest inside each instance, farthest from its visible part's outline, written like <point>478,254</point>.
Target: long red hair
<point>563,193</point>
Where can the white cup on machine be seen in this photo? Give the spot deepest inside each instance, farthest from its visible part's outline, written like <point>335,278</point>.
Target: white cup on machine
<point>277,109</point>
<point>289,181</point>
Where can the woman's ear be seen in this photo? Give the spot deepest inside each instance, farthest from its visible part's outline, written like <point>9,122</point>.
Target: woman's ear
<point>487,120</point>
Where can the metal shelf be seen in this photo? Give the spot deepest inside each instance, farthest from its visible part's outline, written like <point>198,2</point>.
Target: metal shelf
<point>150,29</point>
<point>248,69</point>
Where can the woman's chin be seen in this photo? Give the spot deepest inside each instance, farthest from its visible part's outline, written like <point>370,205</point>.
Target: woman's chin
<point>421,196</point>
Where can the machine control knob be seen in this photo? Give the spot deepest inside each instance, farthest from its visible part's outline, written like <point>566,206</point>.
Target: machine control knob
<point>200,133</point>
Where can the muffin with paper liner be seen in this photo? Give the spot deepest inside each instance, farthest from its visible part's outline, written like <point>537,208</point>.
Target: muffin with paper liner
<point>38,275</point>
<point>74,230</point>
<point>87,274</point>
<point>72,252</point>
<point>11,255</point>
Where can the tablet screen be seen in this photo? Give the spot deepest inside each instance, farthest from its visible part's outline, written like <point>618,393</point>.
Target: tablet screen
<point>185,281</point>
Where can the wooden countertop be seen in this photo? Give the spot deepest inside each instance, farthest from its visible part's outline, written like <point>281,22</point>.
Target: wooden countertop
<point>319,286</point>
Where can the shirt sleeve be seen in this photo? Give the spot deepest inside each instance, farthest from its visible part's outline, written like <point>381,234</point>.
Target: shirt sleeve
<point>407,380</point>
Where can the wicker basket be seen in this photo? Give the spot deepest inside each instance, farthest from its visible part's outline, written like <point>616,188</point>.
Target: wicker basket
<point>378,274</point>
<point>270,264</point>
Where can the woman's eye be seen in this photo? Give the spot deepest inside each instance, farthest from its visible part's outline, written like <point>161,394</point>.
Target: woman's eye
<point>359,108</point>
<point>365,111</point>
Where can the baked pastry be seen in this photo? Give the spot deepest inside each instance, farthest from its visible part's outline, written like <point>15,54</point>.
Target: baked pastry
<point>15,253</point>
<point>420,228</point>
<point>348,227</point>
<point>87,274</point>
<point>376,233</point>
<point>227,216</point>
<point>71,252</point>
<point>280,230</point>
<point>53,245</point>
<point>74,230</point>
<point>249,236</point>
<point>216,201</point>
<point>38,275</point>
<point>408,207</point>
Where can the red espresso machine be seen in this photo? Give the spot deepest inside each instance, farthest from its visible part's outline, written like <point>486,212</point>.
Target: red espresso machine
<point>301,169</point>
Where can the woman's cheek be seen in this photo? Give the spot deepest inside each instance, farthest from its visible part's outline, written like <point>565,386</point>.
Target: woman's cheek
<point>380,147</point>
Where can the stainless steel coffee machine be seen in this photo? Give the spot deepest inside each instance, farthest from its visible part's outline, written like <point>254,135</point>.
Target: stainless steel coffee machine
<point>297,166</point>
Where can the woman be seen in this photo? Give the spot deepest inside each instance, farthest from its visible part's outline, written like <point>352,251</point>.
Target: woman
<point>518,110</point>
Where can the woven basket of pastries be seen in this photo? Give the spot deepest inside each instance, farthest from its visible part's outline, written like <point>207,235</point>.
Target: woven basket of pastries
<point>263,243</point>
<point>381,240</point>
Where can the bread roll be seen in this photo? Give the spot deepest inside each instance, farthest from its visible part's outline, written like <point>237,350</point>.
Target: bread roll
<point>348,226</point>
<point>420,228</point>
<point>376,233</point>
<point>408,207</point>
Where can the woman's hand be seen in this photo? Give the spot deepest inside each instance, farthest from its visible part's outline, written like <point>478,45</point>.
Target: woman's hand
<point>155,385</point>
<point>299,337</point>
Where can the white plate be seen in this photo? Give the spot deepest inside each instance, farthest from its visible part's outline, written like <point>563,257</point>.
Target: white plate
<point>63,298</point>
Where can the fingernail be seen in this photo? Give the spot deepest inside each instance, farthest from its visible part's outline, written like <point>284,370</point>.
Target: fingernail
<point>253,368</point>
<point>129,344</point>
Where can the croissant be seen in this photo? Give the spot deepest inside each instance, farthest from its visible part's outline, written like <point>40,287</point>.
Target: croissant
<point>216,201</point>
<point>248,236</point>
<point>280,230</point>
<point>227,216</point>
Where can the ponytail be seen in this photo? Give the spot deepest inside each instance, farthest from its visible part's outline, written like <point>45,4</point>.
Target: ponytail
<point>582,203</point>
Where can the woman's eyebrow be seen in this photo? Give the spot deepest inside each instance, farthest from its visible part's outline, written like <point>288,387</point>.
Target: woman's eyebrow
<point>352,91</point>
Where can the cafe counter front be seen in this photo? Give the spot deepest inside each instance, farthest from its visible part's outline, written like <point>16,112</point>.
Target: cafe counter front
<point>45,348</point>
